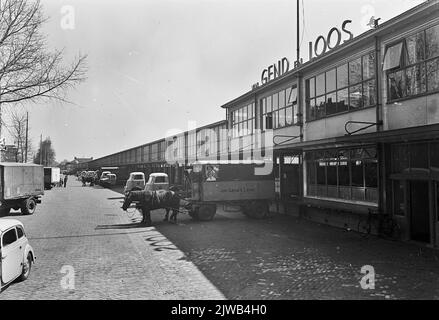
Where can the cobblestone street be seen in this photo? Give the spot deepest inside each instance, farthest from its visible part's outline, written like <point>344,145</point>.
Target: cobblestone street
<point>231,257</point>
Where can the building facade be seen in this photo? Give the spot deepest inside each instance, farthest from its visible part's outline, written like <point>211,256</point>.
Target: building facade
<point>355,130</point>
<point>352,132</point>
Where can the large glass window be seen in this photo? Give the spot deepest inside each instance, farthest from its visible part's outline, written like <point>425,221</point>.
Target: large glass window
<point>243,120</point>
<point>348,87</point>
<point>279,109</point>
<point>417,155</point>
<point>412,65</point>
<point>350,174</point>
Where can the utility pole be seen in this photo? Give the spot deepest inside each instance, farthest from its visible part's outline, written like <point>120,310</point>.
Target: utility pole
<point>41,149</point>
<point>298,31</point>
<point>27,134</point>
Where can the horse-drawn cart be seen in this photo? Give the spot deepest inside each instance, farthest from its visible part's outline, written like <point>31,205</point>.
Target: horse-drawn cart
<point>247,184</point>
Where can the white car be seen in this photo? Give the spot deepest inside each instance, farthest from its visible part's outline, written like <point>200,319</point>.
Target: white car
<point>17,256</point>
<point>157,181</point>
<point>136,181</point>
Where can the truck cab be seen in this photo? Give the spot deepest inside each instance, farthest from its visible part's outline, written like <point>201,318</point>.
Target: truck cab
<point>157,181</point>
<point>136,180</point>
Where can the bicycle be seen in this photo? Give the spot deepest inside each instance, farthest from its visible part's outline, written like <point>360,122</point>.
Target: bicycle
<point>387,226</point>
<point>365,225</point>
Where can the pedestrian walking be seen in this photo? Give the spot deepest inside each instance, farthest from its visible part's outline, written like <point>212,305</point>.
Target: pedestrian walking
<point>65,180</point>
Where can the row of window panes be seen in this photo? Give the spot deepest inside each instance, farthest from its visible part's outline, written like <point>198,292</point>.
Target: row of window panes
<point>346,88</point>
<point>415,155</point>
<point>243,113</point>
<point>243,120</point>
<point>280,118</point>
<point>279,100</point>
<point>416,48</point>
<point>354,72</point>
<point>280,109</point>
<point>350,175</point>
<point>349,99</point>
<point>243,128</point>
<point>412,69</point>
<point>410,81</point>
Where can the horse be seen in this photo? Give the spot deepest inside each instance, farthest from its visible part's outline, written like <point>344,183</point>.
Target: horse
<point>152,200</point>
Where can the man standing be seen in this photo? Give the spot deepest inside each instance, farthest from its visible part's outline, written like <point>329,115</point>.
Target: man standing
<point>65,180</point>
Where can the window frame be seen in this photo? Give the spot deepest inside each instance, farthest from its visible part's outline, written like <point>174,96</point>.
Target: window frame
<point>3,235</point>
<point>405,65</point>
<point>275,113</point>
<point>320,110</point>
<point>339,156</point>
<point>239,121</point>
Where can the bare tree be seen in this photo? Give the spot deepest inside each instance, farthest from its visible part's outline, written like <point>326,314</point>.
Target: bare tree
<point>28,70</point>
<point>17,127</point>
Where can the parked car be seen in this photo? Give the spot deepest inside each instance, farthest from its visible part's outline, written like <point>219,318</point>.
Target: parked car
<point>17,255</point>
<point>157,181</point>
<point>136,181</point>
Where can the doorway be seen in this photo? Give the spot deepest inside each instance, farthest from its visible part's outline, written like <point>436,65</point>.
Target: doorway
<point>290,179</point>
<point>419,202</point>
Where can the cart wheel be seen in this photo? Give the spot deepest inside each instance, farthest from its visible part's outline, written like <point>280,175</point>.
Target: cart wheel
<point>193,213</point>
<point>206,212</point>
<point>257,210</point>
<point>246,209</point>
<point>5,211</point>
<point>28,207</point>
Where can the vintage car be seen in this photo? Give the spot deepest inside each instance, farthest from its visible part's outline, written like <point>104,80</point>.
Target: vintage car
<point>157,181</point>
<point>136,181</point>
<point>17,256</point>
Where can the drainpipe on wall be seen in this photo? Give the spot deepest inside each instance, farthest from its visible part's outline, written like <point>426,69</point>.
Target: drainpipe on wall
<point>380,146</point>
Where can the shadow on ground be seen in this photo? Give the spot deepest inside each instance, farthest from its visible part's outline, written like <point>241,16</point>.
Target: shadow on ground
<point>288,258</point>
<point>284,257</point>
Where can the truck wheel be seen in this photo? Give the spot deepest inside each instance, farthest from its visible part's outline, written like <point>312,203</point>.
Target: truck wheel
<point>28,207</point>
<point>206,212</point>
<point>257,210</point>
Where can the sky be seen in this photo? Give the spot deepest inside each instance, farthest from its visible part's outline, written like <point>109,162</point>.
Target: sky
<point>156,65</point>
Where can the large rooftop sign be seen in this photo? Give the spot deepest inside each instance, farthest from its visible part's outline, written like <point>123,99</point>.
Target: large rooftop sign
<point>275,70</point>
<point>316,49</point>
<point>332,40</point>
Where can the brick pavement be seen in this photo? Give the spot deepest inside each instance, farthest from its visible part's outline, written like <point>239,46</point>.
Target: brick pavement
<point>288,258</point>
<point>232,256</point>
<point>85,228</point>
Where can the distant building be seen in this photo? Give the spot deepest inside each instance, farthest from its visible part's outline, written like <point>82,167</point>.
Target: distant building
<point>9,153</point>
<point>77,164</point>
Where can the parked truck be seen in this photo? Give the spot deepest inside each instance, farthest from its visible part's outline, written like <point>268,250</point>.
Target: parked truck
<point>51,177</point>
<point>21,187</point>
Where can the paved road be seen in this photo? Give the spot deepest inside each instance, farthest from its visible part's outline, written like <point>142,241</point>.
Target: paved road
<point>84,228</point>
<point>231,257</point>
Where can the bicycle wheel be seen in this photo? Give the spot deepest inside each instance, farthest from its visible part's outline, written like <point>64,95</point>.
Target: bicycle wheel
<point>364,227</point>
<point>389,228</point>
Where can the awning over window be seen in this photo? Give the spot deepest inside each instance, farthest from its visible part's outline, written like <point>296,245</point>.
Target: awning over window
<point>392,59</point>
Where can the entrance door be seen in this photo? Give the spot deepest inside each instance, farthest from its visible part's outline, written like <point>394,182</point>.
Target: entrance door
<point>419,211</point>
<point>436,207</point>
<point>290,185</point>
